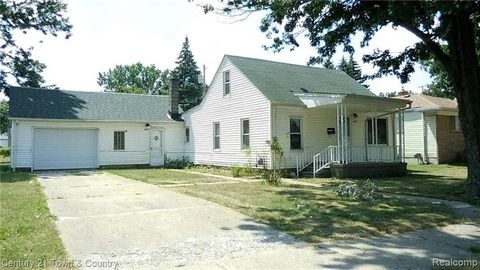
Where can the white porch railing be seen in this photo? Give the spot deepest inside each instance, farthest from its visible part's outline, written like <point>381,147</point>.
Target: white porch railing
<point>334,154</point>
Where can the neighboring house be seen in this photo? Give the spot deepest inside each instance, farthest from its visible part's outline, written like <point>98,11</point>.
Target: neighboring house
<point>321,117</point>
<point>432,129</point>
<point>57,129</point>
<point>4,140</point>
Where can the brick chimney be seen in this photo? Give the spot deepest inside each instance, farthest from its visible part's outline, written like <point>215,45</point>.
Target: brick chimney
<point>402,92</point>
<point>174,96</point>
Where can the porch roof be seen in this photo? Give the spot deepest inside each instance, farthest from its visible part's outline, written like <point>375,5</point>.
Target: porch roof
<point>313,100</point>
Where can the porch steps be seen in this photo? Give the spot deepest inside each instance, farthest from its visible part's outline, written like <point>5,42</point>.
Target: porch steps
<point>308,172</point>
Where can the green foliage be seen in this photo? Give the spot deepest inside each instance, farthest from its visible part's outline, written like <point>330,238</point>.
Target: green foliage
<point>3,116</point>
<point>441,85</point>
<point>366,191</point>
<point>243,171</point>
<point>352,68</point>
<point>47,17</point>
<point>5,152</point>
<point>236,171</point>
<point>136,79</point>
<point>181,163</point>
<point>187,71</point>
<point>274,175</point>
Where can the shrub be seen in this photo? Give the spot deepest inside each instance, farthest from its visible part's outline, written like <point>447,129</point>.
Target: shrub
<point>274,175</point>
<point>368,191</point>
<point>5,152</point>
<point>236,171</point>
<point>180,163</point>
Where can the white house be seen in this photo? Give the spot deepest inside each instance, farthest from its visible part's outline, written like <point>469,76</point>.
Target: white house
<point>322,118</point>
<point>432,130</point>
<point>57,129</point>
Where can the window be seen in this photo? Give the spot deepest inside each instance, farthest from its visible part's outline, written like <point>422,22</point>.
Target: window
<point>245,133</point>
<point>455,123</point>
<point>187,134</point>
<point>216,135</point>
<point>295,133</point>
<point>226,83</point>
<point>382,132</point>
<point>119,140</point>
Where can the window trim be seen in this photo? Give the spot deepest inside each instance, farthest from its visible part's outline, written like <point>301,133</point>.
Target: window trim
<point>387,135</point>
<point>187,134</point>
<point>215,136</point>
<point>242,145</point>
<point>225,83</point>
<point>300,133</point>
<point>115,146</point>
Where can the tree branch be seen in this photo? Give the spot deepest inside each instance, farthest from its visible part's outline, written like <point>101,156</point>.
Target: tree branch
<point>434,47</point>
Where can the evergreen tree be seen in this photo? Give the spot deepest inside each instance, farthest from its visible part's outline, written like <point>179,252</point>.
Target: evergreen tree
<point>187,72</point>
<point>352,68</point>
<point>328,64</point>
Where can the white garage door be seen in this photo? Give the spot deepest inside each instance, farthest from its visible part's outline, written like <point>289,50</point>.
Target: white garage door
<point>64,148</point>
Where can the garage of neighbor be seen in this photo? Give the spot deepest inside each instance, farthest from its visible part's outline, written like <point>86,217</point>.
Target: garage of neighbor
<point>55,148</point>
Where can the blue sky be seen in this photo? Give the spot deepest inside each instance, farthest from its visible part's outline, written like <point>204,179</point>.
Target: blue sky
<point>112,32</point>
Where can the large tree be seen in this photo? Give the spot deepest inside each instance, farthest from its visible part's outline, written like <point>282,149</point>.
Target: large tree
<point>23,17</point>
<point>330,24</point>
<point>136,79</point>
<point>187,72</point>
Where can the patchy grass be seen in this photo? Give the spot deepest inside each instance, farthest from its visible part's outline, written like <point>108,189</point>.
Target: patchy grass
<point>241,172</point>
<point>164,176</point>
<point>27,229</point>
<point>436,181</point>
<point>316,215</point>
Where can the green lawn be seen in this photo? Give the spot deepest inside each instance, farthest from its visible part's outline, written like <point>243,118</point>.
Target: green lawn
<point>164,176</point>
<point>316,215</point>
<point>437,181</point>
<point>27,229</point>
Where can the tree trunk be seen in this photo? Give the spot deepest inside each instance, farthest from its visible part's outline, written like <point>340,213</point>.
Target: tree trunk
<point>465,75</point>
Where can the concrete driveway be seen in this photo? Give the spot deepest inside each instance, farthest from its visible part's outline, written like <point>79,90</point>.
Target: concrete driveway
<point>111,222</point>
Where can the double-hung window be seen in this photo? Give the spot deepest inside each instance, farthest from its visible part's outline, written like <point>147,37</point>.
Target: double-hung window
<point>455,123</point>
<point>226,82</point>
<point>245,130</point>
<point>187,134</point>
<point>216,135</point>
<point>295,133</point>
<point>119,140</point>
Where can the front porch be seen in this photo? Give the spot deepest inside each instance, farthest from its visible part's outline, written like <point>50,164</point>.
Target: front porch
<point>373,146</point>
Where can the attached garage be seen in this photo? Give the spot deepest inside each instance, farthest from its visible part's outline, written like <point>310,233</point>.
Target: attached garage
<point>65,148</point>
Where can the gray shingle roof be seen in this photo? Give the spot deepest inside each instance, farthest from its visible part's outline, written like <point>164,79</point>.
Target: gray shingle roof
<point>61,104</point>
<point>277,81</point>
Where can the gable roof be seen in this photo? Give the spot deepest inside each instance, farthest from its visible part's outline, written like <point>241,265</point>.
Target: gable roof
<point>425,102</point>
<point>40,103</point>
<point>279,81</point>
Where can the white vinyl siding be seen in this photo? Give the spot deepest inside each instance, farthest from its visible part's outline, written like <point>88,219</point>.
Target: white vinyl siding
<point>137,140</point>
<point>420,136</point>
<point>245,101</point>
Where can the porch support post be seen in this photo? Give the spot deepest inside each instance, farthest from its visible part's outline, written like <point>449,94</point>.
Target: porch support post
<point>403,137</point>
<point>338,132</point>
<point>394,138</point>
<point>345,133</point>
<point>341,134</point>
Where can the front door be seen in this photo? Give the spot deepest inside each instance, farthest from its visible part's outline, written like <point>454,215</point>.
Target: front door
<point>156,147</point>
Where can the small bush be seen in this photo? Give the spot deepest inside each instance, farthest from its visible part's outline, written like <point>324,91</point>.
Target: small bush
<point>236,171</point>
<point>274,175</point>
<point>5,152</point>
<point>180,163</point>
<point>368,191</point>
